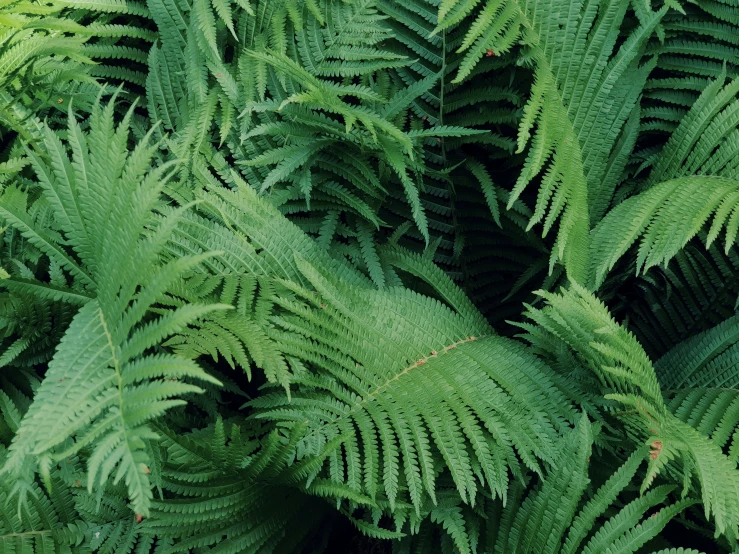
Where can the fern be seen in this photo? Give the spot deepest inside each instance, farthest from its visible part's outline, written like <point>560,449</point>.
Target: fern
<point>216,481</point>
<point>705,359</point>
<point>42,525</point>
<point>257,301</point>
<point>694,292</point>
<point>366,384</point>
<point>107,404</point>
<point>665,219</point>
<point>684,75</point>
<point>576,71</point>
<point>564,513</point>
<point>66,519</point>
<point>470,239</point>
<point>626,375</point>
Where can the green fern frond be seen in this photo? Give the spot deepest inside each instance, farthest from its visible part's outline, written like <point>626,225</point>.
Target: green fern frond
<point>216,481</point>
<point>706,359</point>
<point>577,320</point>
<point>561,514</point>
<point>100,386</point>
<point>43,524</point>
<point>371,386</point>
<point>372,389</point>
<point>565,105</point>
<point>704,141</point>
<point>665,219</point>
<point>260,297</point>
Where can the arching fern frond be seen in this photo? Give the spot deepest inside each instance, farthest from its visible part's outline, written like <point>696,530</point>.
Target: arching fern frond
<point>561,514</point>
<point>422,395</point>
<point>576,320</point>
<point>367,381</point>
<point>708,359</point>
<point>706,140</point>
<point>101,388</point>
<point>579,70</point>
<point>664,219</point>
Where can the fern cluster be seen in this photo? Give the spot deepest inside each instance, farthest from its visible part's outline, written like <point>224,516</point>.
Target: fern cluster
<point>403,276</point>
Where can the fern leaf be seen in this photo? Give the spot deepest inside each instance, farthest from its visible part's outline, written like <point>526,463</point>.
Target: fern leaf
<point>665,219</point>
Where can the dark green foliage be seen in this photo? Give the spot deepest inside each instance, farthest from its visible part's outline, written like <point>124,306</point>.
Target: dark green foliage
<point>263,263</point>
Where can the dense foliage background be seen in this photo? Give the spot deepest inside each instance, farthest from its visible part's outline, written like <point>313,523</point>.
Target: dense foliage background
<point>408,276</point>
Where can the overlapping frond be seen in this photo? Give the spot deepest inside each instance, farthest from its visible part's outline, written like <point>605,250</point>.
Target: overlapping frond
<point>697,290</point>
<point>585,89</point>
<point>222,482</point>
<point>100,388</point>
<point>707,359</point>
<point>697,44</point>
<point>445,390</point>
<point>562,514</point>
<point>663,220</point>
<point>577,320</point>
<point>42,525</point>
<point>222,323</point>
<point>356,378</point>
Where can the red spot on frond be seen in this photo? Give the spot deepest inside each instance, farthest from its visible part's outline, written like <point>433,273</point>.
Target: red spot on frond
<point>655,450</point>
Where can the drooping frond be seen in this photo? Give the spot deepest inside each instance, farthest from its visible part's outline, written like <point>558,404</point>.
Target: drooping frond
<point>585,88</point>
<point>562,514</point>
<point>663,220</point>
<point>425,395</point>
<point>576,320</point>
